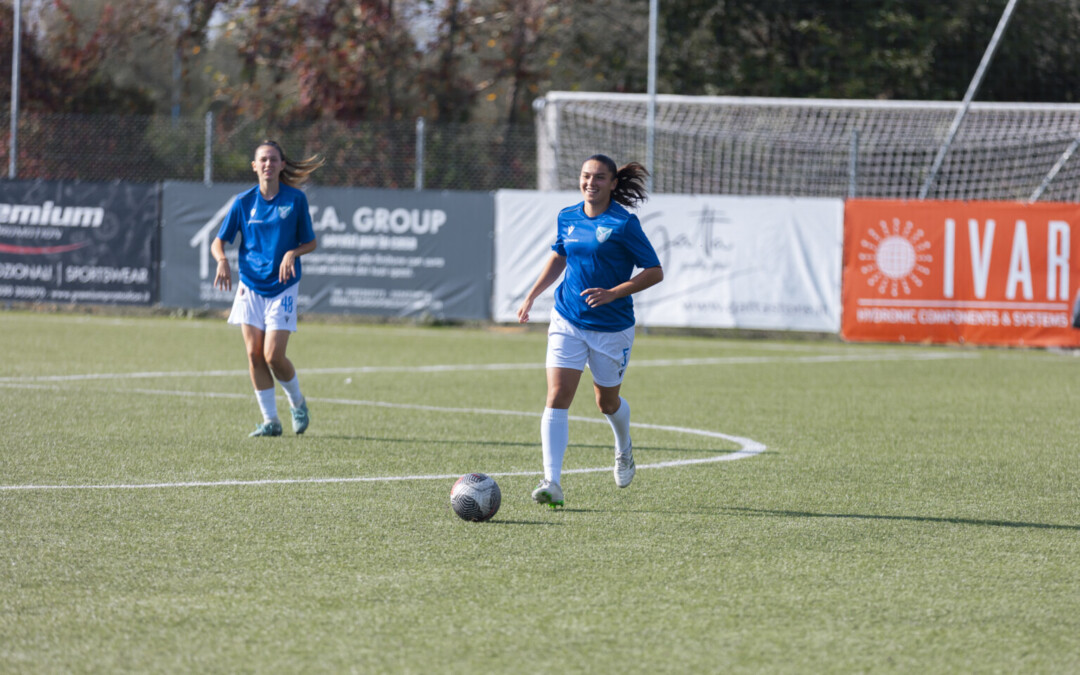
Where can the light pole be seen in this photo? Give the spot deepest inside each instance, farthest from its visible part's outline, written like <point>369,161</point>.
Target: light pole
<point>16,6</point>
<point>650,122</point>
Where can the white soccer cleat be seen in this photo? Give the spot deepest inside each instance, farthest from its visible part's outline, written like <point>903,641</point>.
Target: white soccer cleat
<point>624,467</point>
<point>548,493</point>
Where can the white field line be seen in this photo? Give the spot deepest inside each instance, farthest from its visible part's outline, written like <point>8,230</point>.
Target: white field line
<point>748,448</point>
<point>476,367</point>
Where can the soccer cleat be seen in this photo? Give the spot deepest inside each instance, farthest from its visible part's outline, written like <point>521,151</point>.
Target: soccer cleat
<point>300,418</point>
<point>548,493</point>
<point>624,467</point>
<point>272,428</point>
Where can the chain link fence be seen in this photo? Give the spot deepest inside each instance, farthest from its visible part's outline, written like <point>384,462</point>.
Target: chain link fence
<point>405,155</point>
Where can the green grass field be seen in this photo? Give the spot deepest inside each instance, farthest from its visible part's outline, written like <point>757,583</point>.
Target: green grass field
<point>916,509</point>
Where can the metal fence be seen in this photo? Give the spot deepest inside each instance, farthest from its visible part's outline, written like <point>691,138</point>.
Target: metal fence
<point>472,156</point>
<point>745,146</point>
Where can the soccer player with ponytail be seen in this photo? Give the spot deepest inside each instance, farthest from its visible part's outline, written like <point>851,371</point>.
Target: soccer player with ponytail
<point>275,225</point>
<point>598,244</point>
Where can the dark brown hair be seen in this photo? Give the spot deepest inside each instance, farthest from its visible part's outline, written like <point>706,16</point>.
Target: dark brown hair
<point>296,172</point>
<point>630,188</point>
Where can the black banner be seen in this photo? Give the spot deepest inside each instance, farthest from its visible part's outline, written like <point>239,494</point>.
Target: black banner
<point>76,242</point>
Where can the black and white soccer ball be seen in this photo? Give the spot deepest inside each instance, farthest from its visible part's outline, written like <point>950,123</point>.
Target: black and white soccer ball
<point>475,497</point>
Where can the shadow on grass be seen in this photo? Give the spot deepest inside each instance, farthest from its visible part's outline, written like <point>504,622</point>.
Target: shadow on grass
<point>497,521</point>
<point>916,519</point>
<point>427,441</point>
<point>515,444</point>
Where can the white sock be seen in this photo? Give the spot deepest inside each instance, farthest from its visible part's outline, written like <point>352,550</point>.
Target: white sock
<point>267,403</point>
<point>292,391</point>
<point>554,437</point>
<point>620,424</point>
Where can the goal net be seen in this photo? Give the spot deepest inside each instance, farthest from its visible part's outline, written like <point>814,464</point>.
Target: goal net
<point>816,147</point>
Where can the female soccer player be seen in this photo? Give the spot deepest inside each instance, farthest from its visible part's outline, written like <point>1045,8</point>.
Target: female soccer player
<point>276,229</point>
<point>598,244</point>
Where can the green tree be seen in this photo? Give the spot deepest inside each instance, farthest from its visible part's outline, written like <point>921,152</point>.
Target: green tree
<point>331,59</point>
<point>602,46</point>
<point>897,49</point>
<point>67,72</point>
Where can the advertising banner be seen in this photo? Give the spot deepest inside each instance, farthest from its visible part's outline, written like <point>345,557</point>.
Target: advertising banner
<point>76,242</point>
<point>993,273</point>
<point>381,252</point>
<point>769,263</point>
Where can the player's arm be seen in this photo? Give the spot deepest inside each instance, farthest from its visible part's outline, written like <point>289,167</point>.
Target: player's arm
<point>552,269</point>
<point>288,261</point>
<point>223,276</point>
<point>650,276</point>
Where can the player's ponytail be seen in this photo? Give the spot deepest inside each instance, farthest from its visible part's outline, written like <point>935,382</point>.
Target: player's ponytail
<point>630,188</point>
<point>296,172</point>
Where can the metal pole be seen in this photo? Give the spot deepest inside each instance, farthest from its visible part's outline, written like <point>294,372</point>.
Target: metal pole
<point>419,153</point>
<point>15,48</point>
<point>853,164</point>
<point>973,87</point>
<point>208,150</point>
<point>176,86</point>
<point>1054,170</point>
<point>650,124</point>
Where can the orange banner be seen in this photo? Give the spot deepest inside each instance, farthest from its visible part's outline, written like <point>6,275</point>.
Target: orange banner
<point>992,273</point>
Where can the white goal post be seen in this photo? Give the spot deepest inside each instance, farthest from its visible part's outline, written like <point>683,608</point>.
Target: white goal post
<point>816,147</point>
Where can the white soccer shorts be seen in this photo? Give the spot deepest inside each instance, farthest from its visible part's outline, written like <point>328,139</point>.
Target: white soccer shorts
<point>606,354</point>
<point>266,314</point>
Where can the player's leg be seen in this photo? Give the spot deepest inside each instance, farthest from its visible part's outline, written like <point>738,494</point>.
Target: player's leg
<point>262,380</point>
<point>555,428</point>
<point>247,312</point>
<point>565,361</point>
<point>280,324</point>
<point>555,433</point>
<point>609,355</point>
<point>275,346</point>
<point>617,411</point>
<point>277,342</point>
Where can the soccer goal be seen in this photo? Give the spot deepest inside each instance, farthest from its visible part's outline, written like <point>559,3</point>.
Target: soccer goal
<point>816,147</point>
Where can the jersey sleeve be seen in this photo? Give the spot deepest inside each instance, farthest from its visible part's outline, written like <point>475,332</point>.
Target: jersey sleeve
<point>640,248</point>
<point>559,247</point>
<point>231,225</point>
<point>305,231</point>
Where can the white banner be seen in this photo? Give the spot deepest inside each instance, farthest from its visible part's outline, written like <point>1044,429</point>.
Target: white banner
<point>768,263</point>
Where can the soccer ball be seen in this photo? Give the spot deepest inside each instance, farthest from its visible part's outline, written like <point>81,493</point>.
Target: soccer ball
<point>475,497</point>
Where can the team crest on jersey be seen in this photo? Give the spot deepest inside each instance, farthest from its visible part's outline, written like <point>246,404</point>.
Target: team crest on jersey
<point>283,211</point>
<point>602,234</point>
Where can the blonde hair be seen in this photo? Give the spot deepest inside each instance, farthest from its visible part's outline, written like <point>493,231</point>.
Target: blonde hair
<point>296,172</point>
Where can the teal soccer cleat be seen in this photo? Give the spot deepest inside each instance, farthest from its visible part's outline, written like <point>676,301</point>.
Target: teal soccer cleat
<point>300,418</point>
<point>272,428</point>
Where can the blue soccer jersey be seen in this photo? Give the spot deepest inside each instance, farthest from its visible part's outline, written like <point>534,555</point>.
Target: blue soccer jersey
<point>268,229</point>
<point>600,252</point>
